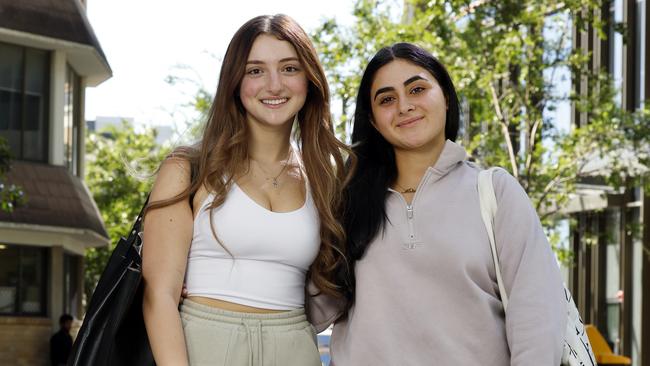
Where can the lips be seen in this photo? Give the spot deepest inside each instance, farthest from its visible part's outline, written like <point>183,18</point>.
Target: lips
<point>409,122</point>
<point>274,101</point>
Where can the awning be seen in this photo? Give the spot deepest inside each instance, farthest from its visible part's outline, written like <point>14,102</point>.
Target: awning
<point>57,202</point>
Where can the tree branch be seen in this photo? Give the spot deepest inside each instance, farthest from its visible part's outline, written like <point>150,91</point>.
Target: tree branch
<point>504,129</point>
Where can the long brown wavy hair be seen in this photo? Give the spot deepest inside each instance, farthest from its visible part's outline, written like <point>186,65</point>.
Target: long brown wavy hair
<point>222,154</point>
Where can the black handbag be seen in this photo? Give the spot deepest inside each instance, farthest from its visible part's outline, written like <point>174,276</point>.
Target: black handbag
<point>113,331</point>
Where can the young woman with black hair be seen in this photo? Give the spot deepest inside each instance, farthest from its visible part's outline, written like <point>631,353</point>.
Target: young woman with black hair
<point>422,287</point>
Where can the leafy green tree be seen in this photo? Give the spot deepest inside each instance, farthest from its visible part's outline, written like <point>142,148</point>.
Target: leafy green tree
<point>120,163</point>
<point>505,58</point>
<point>11,196</point>
<point>197,103</point>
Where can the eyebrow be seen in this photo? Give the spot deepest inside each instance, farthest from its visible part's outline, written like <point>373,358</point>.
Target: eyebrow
<point>259,62</point>
<point>390,88</point>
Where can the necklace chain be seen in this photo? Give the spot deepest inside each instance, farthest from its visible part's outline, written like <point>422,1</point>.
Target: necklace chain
<point>405,190</point>
<point>274,180</point>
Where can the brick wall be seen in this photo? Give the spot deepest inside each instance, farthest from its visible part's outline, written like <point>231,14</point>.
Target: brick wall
<point>24,341</point>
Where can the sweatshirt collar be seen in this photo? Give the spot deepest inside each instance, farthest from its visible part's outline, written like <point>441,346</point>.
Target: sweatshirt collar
<point>452,154</point>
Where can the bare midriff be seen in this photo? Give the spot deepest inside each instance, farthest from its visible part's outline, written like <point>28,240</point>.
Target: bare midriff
<point>231,306</point>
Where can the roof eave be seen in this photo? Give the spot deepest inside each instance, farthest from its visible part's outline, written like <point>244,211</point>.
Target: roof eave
<point>87,61</point>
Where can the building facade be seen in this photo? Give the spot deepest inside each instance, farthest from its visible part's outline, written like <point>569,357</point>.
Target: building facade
<point>611,239</point>
<point>48,55</point>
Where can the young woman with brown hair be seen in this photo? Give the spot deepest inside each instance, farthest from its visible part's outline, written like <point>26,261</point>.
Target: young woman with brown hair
<point>243,217</point>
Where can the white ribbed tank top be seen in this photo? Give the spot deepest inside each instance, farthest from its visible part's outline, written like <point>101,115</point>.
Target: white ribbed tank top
<point>272,252</point>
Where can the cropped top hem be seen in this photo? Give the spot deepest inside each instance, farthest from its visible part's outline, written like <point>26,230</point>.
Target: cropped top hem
<point>256,303</point>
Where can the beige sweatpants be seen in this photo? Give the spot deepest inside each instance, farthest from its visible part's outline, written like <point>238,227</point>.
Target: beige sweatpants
<point>218,337</point>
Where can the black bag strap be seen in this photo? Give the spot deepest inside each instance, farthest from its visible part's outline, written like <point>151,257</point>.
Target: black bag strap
<point>135,229</point>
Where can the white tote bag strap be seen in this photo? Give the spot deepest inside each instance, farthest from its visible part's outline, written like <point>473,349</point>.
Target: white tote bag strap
<point>488,202</point>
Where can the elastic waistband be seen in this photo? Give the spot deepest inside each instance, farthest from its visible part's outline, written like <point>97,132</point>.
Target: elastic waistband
<point>288,319</point>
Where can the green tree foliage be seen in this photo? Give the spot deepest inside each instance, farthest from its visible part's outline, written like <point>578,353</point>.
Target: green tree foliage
<point>198,100</point>
<point>11,196</point>
<point>120,163</point>
<point>505,58</point>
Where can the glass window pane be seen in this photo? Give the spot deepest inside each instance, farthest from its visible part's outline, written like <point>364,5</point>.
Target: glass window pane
<point>613,294</point>
<point>34,133</point>
<point>32,286</point>
<point>9,272</point>
<point>68,115</point>
<point>616,48</point>
<point>613,323</point>
<point>36,75</point>
<point>11,67</point>
<point>72,293</point>
<point>11,102</point>
<point>11,107</point>
<point>613,284</point>
<point>640,52</point>
<point>24,93</point>
<point>71,119</point>
<point>35,129</point>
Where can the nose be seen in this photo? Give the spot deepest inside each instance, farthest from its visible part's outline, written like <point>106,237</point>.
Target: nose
<point>405,106</point>
<point>274,82</point>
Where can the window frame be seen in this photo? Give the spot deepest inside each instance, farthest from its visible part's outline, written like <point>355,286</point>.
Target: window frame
<point>21,153</point>
<point>45,263</point>
<point>71,264</point>
<point>72,127</point>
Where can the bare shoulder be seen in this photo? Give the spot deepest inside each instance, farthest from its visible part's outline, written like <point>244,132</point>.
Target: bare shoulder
<point>174,177</point>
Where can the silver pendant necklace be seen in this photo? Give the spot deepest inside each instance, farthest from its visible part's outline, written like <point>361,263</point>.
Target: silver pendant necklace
<point>274,180</point>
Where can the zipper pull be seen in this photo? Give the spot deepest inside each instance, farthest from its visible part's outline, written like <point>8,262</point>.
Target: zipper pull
<point>409,212</point>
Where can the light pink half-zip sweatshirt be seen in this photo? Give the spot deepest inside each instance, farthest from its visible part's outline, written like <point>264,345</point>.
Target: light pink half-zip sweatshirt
<point>426,290</point>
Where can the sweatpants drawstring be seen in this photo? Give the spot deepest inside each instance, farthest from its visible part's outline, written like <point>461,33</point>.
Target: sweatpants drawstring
<point>260,346</point>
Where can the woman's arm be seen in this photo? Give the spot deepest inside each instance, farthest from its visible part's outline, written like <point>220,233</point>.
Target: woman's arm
<point>536,315</point>
<point>167,237</point>
<point>322,309</point>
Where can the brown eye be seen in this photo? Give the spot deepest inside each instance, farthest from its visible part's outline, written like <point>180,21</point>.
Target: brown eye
<point>386,100</point>
<point>417,90</point>
<point>291,69</point>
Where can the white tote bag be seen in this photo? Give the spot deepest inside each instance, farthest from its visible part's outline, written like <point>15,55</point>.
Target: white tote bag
<point>577,350</point>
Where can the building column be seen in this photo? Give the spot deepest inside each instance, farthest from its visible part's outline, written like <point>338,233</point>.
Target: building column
<point>645,281</point>
<point>56,285</point>
<point>81,163</point>
<point>57,103</point>
<point>82,290</point>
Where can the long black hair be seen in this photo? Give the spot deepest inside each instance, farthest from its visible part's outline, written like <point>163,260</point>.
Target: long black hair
<point>365,212</point>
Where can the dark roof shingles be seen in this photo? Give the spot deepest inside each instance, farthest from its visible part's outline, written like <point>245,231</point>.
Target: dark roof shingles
<point>60,19</point>
<point>54,198</point>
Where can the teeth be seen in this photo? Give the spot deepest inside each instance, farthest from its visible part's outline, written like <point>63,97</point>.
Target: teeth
<point>274,101</point>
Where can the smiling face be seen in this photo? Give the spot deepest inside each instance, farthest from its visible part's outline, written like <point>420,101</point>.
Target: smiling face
<point>274,86</point>
<point>408,106</point>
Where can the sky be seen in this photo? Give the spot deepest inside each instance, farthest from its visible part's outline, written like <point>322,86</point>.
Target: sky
<point>146,41</point>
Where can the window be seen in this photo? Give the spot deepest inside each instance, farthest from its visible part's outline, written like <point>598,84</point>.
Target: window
<point>22,280</point>
<point>71,288</point>
<point>24,83</point>
<point>639,73</point>
<point>71,120</point>
<point>613,294</point>
<point>615,40</point>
